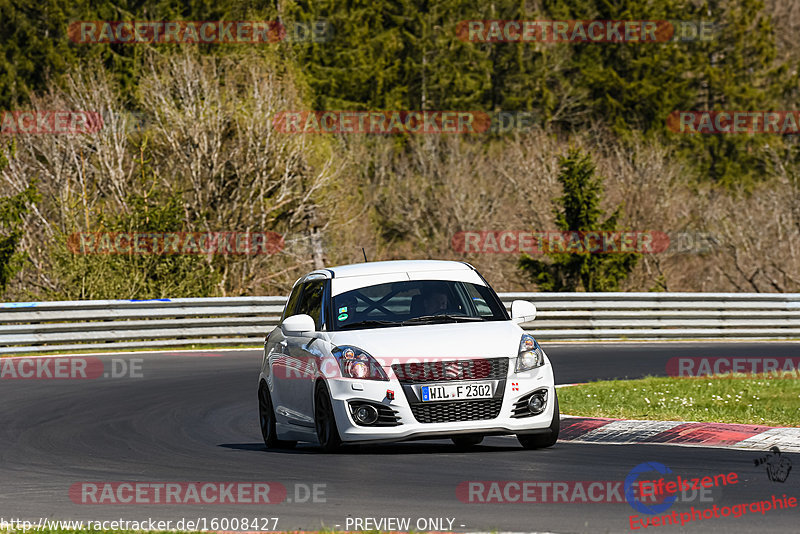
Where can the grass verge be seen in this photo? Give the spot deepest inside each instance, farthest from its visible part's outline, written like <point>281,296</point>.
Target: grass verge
<point>728,399</point>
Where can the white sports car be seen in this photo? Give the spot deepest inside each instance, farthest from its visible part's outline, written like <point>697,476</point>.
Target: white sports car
<point>399,350</point>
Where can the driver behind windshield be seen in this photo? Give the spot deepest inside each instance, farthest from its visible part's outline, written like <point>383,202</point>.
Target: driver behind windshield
<point>435,302</point>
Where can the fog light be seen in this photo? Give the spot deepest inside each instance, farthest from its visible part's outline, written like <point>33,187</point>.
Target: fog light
<point>365,414</point>
<point>537,402</point>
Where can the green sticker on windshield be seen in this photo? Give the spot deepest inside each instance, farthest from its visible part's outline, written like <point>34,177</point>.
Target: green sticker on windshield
<point>342,316</point>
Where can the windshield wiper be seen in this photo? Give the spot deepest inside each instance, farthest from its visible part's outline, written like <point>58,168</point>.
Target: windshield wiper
<point>368,323</point>
<point>444,318</point>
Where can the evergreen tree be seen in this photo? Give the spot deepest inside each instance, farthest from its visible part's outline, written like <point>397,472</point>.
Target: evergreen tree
<point>358,66</point>
<point>735,71</point>
<point>35,46</point>
<point>580,212</point>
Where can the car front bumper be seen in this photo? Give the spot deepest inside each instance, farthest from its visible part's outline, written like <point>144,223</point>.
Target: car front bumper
<point>517,386</point>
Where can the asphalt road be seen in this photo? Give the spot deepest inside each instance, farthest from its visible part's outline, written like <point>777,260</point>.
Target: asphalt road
<point>193,417</point>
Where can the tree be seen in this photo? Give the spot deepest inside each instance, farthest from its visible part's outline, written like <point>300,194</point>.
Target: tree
<point>357,67</point>
<point>36,49</point>
<point>142,276</point>
<point>580,212</point>
<point>737,70</point>
<point>12,211</point>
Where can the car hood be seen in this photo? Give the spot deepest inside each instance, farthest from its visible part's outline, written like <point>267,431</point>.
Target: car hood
<point>437,341</point>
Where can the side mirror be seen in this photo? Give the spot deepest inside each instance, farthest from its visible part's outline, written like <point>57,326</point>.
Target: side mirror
<point>523,311</point>
<point>297,325</point>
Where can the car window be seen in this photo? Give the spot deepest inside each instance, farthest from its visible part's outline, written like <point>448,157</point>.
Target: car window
<point>311,301</point>
<point>481,300</point>
<point>401,301</point>
<point>291,304</point>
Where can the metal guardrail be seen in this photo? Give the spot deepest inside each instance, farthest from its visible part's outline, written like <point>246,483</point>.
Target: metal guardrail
<point>103,324</point>
<point>582,316</point>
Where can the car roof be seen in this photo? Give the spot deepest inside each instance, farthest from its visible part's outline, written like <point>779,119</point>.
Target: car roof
<point>389,267</point>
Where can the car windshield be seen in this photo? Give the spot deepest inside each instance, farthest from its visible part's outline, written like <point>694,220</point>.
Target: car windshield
<point>416,302</point>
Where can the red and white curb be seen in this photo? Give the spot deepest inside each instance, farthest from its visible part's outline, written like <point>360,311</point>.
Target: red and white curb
<point>719,435</point>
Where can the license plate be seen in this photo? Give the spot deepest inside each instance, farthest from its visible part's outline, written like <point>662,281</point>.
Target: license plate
<point>456,392</point>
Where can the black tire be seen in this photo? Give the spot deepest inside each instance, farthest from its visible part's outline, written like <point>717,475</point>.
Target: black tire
<point>465,442</point>
<point>325,420</point>
<point>266,417</point>
<point>540,441</point>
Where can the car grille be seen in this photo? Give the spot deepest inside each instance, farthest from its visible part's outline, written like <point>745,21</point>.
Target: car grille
<point>480,369</point>
<point>387,416</point>
<point>521,406</point>
<point>446,412</point>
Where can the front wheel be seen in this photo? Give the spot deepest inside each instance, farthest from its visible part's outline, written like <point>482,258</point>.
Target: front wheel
<point>325,420</point>
<point>540,441</point>
<point>266,417</point>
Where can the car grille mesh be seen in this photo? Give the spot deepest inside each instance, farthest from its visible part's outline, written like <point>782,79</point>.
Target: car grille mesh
<point>479,369</point>
<point>521,406</point>
<point>387,416</point>
<point>445,412</point>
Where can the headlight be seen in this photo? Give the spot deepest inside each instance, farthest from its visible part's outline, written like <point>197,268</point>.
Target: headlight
<point>530,354</point>
<point>355,363</point>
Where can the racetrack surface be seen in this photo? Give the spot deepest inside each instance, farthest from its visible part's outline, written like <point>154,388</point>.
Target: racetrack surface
<point>193,417</point>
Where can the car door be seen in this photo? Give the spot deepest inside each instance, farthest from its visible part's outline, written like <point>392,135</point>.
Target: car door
<point>275,352</point>
<point>304,354</point>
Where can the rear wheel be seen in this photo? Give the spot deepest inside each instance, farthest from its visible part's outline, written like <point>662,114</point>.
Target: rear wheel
<point>540,441</point>
<point>465,442</point>
<point>266,416</point>
<point>325,420</point>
